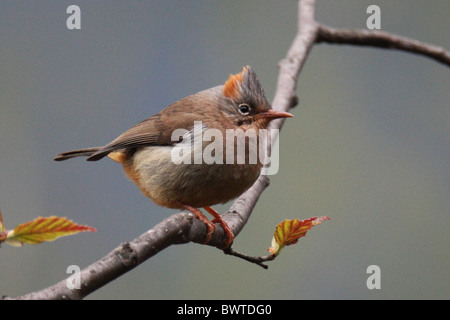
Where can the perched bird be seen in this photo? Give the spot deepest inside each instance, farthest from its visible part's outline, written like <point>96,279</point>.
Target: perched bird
<point>147,150</point>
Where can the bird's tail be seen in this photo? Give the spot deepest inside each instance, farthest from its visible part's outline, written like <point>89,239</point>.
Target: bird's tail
<point>76,153</point>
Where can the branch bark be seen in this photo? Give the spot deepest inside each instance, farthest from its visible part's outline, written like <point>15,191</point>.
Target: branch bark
<point>182,227</point>
<point>122,259</point>
<point>381,39</point>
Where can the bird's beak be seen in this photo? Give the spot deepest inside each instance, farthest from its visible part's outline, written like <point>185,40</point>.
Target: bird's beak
<point>274,114</point>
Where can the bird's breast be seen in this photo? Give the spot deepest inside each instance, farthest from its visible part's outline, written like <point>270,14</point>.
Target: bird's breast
<point>171,175</point>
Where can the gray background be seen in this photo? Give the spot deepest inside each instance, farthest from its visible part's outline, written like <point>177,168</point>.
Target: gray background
<point>369,145</point>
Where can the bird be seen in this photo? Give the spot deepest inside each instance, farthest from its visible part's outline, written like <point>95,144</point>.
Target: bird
<point>147,150</point>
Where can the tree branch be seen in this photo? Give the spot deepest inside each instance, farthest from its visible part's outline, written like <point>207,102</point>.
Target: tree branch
<point>290,67</point>
<point>381,39</point>
<point>122,259</point>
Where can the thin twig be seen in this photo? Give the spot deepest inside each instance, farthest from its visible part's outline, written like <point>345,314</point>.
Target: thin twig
<point>257,260</point>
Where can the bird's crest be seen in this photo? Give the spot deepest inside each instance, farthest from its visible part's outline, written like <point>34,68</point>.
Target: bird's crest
<point>231,86</point>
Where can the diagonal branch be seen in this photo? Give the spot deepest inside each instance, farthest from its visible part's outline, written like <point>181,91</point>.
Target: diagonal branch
<point>122,259</point>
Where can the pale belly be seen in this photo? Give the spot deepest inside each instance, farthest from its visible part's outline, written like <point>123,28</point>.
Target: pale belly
<point>169,184</point>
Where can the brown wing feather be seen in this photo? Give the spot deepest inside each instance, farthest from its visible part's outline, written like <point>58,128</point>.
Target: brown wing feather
<point>154,131</point>
<point>146,133</point>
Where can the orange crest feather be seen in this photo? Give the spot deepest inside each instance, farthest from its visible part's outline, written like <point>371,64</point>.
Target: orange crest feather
<point>230,88</point>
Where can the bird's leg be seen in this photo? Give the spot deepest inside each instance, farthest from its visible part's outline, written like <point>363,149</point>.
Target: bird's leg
<point>218,218</point>
<point>199,215</point>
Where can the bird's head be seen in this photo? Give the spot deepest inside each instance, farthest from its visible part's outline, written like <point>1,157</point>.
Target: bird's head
<point>245,102</point>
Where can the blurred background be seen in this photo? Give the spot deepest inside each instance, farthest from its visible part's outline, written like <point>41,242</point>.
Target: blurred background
<point>369,145</point>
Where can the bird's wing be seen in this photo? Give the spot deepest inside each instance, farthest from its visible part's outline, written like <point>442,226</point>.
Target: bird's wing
<point>154,131</point>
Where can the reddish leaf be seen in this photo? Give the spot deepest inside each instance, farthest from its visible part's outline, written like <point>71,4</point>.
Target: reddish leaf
<point>289,231</point>
<point>2,226</point>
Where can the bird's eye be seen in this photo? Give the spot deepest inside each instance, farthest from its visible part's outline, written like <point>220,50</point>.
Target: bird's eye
<point>244,109</point>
